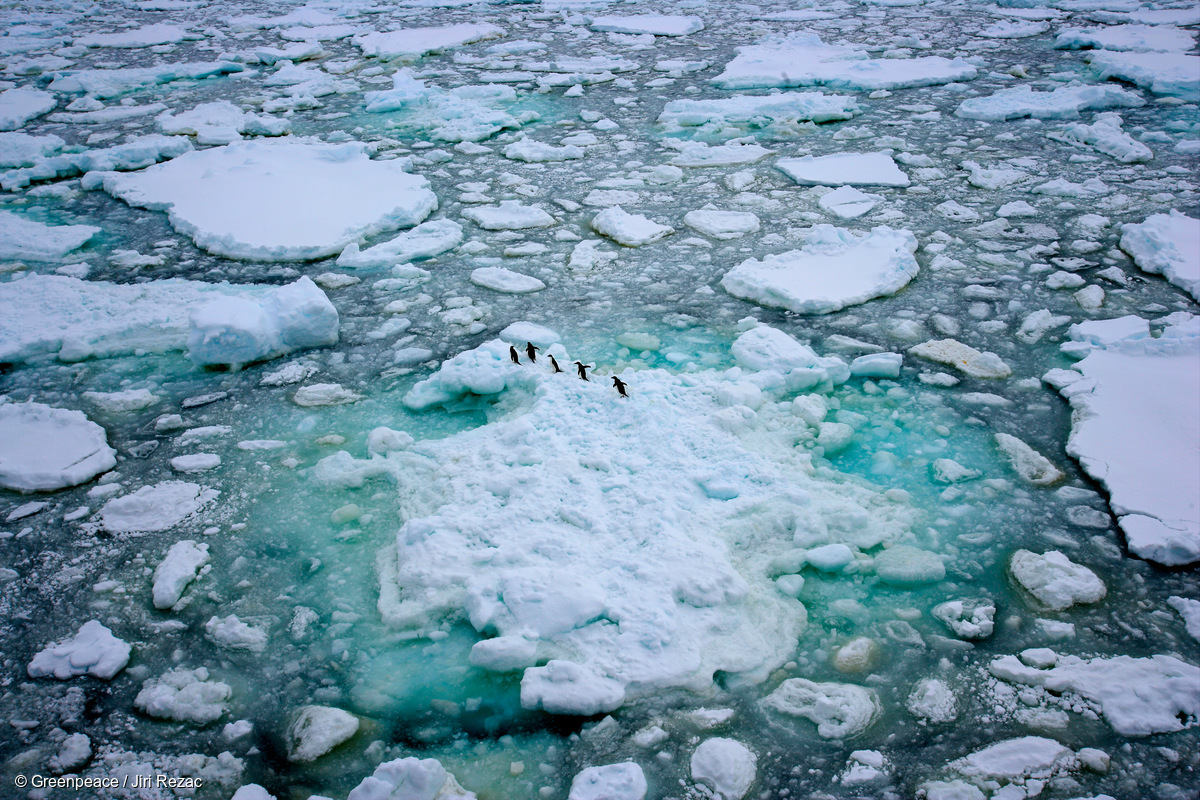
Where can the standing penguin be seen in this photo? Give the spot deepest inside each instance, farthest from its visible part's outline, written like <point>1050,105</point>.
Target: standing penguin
<point>512,353</point>
<point>582,369</point>
<point>531,351</point>
<point>554,364</point>
<point>620,384</point>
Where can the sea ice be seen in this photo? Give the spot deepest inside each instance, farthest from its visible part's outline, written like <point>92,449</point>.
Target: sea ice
<point>731,154</point>
<point>1171,74</point>
<point>624,781</point>
<point>1135,427</point>
<point>221,122</point>
<point>907,566</point>
<point>155,508</point>
<point>44,448</point>
<point>184,695</point>
<point>839,710</point>
<point>94,651</point>
<point>138,152</point>
<point>503,280</point>
<point>317,730</point>
<point>233,634</point>
<point>631,230</point>
<point>228,199</point>
<point>23,150</point>
<point>105,84</point>
<point>835,268</point>
<point>18,106</point>
<point>1054,580</point>
<point>1167,245</point>
<point>844,169</point>
<point>409,44</point>
<point>1134,38</point>
<point>1032,466</point>
<point>802,59</point>
<point>509,215</point>
<point>180,566</point>
<point>656,24</point>
<point>773,113</point>
<point>1064,102</point>
<point>963,358</point>
<point>719,224</point>
<point>427,240</point>
<point>145,36</point>
<point>410,779</point>
<point>726,766</point>
<point>932,700</point>
<point>1137,696</point>
<point>27,239</point>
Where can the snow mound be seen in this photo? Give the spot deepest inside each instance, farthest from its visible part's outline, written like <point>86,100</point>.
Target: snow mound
<point>597,528</point>
<point>155,508</point>
<point>279,200</point>
<point>43,448</point>
<point>1064,102</point>
<point>771,114</point>
<point>26,239</point>
<point>844,169</point>
<point>184,695</point>
<point>727,766</point>
<point>54,315</point>
<point>835,268</point>
<point>94,651</point>
<point>802,59</point>
<point>1135,428</point>
<point>610,782</point>
<point>839,710</point>
<point>1137,696</point>
<point>1167,245</point>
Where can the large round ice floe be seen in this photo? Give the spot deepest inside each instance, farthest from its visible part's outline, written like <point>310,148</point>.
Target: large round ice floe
<point>44,448</point>
<point>279,200</point>
<point>600,546</point>
<point>840,710</point>
<point>155,508</point>
<point>835,268</point>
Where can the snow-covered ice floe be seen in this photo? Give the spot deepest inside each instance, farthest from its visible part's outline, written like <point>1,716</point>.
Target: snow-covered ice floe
<point>1064,102</point>
<point>230,199</point>
<point>772,113</point>
<point>155,508</point>
<point>44,448</point>
<point>834,269</point>
<point>409,44</point>
<point>217,323</point>
<point>31,240</point>
<point>1171,74</point>
<point>1167,245</point>
<point>802,59</point>
<point>844,169</point>
<point>591,554</point>
<point>656,24</point>
<point>1135,417</point>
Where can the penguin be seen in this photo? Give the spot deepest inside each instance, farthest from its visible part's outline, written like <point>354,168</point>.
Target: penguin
<point>554,364</point>
<point>620,384</point>
<point>512,353</point>
<point>582,369</point>
<point>531,351</point>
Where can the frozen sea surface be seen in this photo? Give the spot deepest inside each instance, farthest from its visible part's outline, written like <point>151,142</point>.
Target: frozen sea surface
<point>882,482</point>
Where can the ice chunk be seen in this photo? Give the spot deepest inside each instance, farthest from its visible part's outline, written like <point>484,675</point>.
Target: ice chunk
<point>699,154</point>
<point>1190,611</point>
<point>22,238</point>
<point>847,202</point>
<point>184,695</point>
<point>968,619</point>
<point>834,269</point>
<point>179,567</point>
<point>718,224</point>
<point>931,700</point>
<point>76,751</point>
<point>1138,696</point>
<point>23,150</point>
<point>145,36</point>
<point>539,152</point>
<point>424,241</point>
<point>228,199</point>
<point>1017,760</point>
<point>877,365</point>
<point>1135,38</point>
<point>962,357</point>
<point>1064,102</point>
<point>324,394</point>
<point>409,44</point>
<point>508,216</point>
<point>317,730</point>
<point>233,634</point>
<point>726,766</point>
<point>631,230</point>
<point>564,687</point>
<point>44,448</point>
<point>463,114</point>
<point>610,782</point>
<point>221,122</point>
<point>802,59</point>
<point>775,113</point>
<point>1054,580</point>
<point>238,330</point>
<point>657,24</point>
<point>138,152</point>
<point>844,169</point>
<point>1032,466</point>
<point>503,280</point>
<point>155,508</point>
<point>410,779</point>
<point>840,710</point>
<point>1105,136</point>
<point>18,106</point>
<point>1167,245</point>
<point>94,651</point>
<point>104,84</point>
<point>906,566</point>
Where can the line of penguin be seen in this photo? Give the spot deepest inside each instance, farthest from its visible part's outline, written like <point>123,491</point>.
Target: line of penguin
<point>531,352</point>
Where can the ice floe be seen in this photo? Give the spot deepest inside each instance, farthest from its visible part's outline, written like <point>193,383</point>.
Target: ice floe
<point>1171,74</point>
<point>656,24</point>
<point>1167,245</point>
<point>221,122</point>
<point>834,269</point>
<point>138,152</point>
<point>844,169</point>
<point>155,508</point>
<point>624,781</point>
<point>1064,102</point>
<point>839,710</point>
<point>726,766</point>
<point>93,651</point>
<point>18,106</point>
<point>317,730</point>
<point>44,448</point>
<point>1134,38</point>
<point>771,114</point>
<point>1054,580</point>
<point>409,44</point>
<point>105,84</point>
<point>179,568</point>
<point>184,695</point>
<point>802,59</point>
<point>631,230</point>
